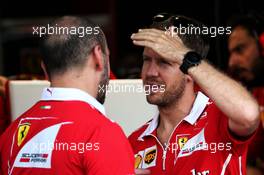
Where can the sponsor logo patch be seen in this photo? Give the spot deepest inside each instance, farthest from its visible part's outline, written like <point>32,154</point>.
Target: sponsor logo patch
<point>146,158</point>
<point>193,144</point>
<point>138,160</point>
<point>33,157</point>
<point>31,154</point>
<point>150,156</point>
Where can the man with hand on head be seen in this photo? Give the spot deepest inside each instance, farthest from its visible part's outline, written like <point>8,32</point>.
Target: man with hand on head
<point>193,133</point>
<point>67,132</point>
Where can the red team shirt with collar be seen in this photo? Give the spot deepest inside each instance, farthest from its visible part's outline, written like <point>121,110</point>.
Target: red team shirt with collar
<point>65,133</point>
<point>201,144</point>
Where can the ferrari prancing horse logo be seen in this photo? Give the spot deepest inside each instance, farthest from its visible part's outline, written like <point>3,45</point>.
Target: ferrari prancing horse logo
<point>22,132</point>
<point>182,141</point>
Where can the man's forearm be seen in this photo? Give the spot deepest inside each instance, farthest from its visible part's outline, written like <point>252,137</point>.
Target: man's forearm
<point>231,97</point>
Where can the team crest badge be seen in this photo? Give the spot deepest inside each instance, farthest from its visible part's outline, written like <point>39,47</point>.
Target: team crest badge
<point>22,132</point>
<point>182,141</point>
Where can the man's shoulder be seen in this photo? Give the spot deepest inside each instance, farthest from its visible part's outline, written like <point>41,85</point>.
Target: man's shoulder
<point>78,111</point>
<point>211,107</point>
<point>88,117</point>
<point>82,116</point>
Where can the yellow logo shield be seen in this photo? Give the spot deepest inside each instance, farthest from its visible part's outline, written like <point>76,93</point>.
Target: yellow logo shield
<point>22,132</point>
<point>182,141</point>
<point>138,161</point>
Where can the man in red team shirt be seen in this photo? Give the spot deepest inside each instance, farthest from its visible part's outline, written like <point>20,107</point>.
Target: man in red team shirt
<point>66,132</point>
<point>192,133</point>
<point>246,64</point>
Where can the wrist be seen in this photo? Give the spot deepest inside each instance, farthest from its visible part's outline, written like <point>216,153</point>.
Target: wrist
<point>190,59</point>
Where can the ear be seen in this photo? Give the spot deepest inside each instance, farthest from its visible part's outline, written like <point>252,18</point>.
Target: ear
<point>44,70</point>
<point>188,78</point>
<point>98,58</point>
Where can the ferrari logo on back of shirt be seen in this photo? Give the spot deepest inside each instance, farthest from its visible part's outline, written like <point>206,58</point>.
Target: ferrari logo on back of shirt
<point>22,132</point>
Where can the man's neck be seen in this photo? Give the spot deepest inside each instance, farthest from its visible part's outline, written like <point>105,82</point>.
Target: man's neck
<point>74,80</point>
<point>171,116</point>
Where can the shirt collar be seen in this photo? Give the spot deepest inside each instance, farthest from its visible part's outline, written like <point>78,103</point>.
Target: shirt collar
<point>67,94</point>
<point>200,103</point>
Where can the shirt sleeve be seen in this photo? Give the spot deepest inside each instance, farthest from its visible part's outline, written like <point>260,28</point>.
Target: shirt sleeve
<point>238,144</point>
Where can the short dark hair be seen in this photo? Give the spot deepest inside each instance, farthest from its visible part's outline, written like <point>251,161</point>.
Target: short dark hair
<point>64,50</point>
<point>252,22</point>
<point>195,41</point>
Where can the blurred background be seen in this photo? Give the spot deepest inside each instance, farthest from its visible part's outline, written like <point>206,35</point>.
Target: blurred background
<point>20,56</point>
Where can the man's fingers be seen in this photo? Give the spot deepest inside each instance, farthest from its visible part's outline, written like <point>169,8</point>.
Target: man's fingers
<point>143,36</point>
<point>144,43</point>
<point>151,37</point>
<point>151,30</point>
<point>142,171</point>
<point>160,33</point>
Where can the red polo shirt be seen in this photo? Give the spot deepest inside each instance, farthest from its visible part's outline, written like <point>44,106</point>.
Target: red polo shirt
<point>66,132</point>
<point>256,146</point>
<point>200,144</point>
